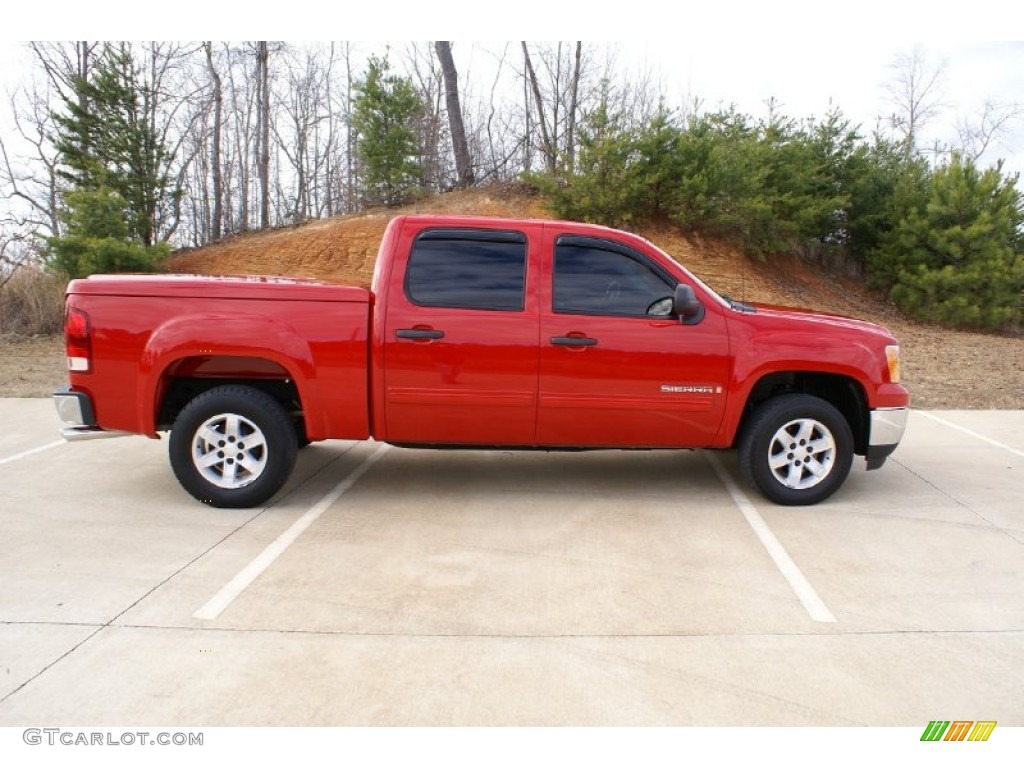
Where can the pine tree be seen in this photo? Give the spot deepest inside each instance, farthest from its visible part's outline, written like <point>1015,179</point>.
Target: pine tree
<point>605,187</point>
<point>96,237</point>
<point>958,258</point>
<point>385,106</point>
<point>116,162</point>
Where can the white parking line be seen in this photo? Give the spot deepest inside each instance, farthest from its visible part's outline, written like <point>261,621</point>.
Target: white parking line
<point>248,575</point>
<point>32,451</point>
<point>970,432</point>
<point>812,603</point>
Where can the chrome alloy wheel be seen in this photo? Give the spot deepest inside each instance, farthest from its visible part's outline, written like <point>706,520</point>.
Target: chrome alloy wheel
<point>801,453</point>
<point>229,451</point>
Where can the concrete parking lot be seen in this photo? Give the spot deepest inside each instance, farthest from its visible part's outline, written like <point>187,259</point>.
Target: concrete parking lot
<point>390,586</point>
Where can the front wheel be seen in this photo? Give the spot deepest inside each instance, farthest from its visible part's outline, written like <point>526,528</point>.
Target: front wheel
<point>232,446</point>
<point>797,449</point>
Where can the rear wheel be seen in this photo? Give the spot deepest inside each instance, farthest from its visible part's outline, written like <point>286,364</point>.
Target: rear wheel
<point>232,446</point>
<point>797,449</point>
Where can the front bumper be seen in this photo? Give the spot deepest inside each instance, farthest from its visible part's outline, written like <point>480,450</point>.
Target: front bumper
<point>887,428</point>
<point>75,408</point>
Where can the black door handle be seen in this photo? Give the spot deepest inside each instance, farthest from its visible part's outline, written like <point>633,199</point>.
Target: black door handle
<point>419,333</point>
<point>573,341</point>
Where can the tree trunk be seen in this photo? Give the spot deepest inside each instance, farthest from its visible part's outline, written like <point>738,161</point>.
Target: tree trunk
<point>83,50</point>
<point>350,136</point>
<point>263,85</point>
<point>550,155</point>
<point>218,194</point>
<point>463,162</point>
<point>570,138</point>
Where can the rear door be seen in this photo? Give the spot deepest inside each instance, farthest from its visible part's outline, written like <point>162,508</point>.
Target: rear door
<point>611,374</point>
<point>460,340</point>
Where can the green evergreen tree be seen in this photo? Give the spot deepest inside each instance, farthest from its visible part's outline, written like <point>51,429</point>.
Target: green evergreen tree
<point>606,187</point>
<point>96,237</point>
<point>385,107</point>
<point>822,169</point>
<point>658,167</point>
<point>947,244</point>
<point>117,165</point>
<point>107,139</point>
<point>722,171</point>
<point>958,258</point>
<point>881,184</point>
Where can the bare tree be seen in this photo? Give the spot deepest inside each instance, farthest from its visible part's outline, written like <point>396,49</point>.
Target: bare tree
<point>263,121</point>
<point>463,161</point>
<point>215,160</point>
<point>559,87</point>
<point>547,144</point>
<point>916,91</point>
<point>330,157</point>
<point>977,136</point>
<point>28,160</point>
<point>313,111</point>
<point>14,254</point>
<point>426,76</point>
<point>351,135</point>
<point>241,138</point>
<point>574,90</point>
<point>31,181</point>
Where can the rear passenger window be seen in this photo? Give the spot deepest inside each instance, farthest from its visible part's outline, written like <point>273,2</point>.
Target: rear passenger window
<point>468,269</point>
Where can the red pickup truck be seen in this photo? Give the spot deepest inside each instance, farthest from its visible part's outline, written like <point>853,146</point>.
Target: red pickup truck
<point>478,332</point>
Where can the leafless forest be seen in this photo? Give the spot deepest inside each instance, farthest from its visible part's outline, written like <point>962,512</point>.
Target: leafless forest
<point>261,133</point>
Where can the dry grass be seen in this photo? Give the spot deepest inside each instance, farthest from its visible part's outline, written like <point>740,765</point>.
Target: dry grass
<point>32,303</point>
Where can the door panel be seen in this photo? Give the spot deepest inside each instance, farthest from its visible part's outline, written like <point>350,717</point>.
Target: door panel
<point>637,380</point>
<point>462,374</point>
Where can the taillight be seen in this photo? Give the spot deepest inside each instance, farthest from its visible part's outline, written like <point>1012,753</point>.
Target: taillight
<point>76,340</point>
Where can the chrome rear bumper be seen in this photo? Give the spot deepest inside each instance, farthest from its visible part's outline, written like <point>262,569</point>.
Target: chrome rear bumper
<point>76,408</point>
<point>77,434</point>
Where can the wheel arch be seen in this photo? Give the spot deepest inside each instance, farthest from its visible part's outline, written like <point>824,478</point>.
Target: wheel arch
<point>845,393</point>
<point>187,377</point>
<point>200,350</point>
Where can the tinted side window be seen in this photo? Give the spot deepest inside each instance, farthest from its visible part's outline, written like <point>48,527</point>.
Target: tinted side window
<point>597,281</point>
<point>470,270</point>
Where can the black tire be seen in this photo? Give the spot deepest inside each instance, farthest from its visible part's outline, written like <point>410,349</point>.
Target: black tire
<point>214,426</point>
<point>796,449</point>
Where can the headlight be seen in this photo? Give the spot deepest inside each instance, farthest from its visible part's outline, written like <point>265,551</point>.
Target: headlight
<point>892,357</point>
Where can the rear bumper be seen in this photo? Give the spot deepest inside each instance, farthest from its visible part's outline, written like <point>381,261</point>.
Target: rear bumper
<point>75,408</point>
<point>887,428</point>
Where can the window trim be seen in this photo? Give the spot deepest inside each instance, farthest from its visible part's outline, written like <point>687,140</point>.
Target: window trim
<point>600,243</point>
<point>470,234</point>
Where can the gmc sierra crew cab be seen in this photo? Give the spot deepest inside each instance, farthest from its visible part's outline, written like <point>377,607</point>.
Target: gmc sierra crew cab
<point>478,332</point>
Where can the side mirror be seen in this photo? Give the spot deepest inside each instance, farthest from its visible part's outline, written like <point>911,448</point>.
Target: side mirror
<point>686,305</point>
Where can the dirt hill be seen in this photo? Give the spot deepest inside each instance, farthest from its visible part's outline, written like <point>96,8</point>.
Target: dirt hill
<point>943,368</point>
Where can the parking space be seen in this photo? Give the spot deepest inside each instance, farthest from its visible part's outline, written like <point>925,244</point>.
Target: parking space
<point>493,588</point>
<point>22,420</point>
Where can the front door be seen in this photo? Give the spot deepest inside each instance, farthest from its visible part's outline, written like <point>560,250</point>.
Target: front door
<point>611,374</point>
